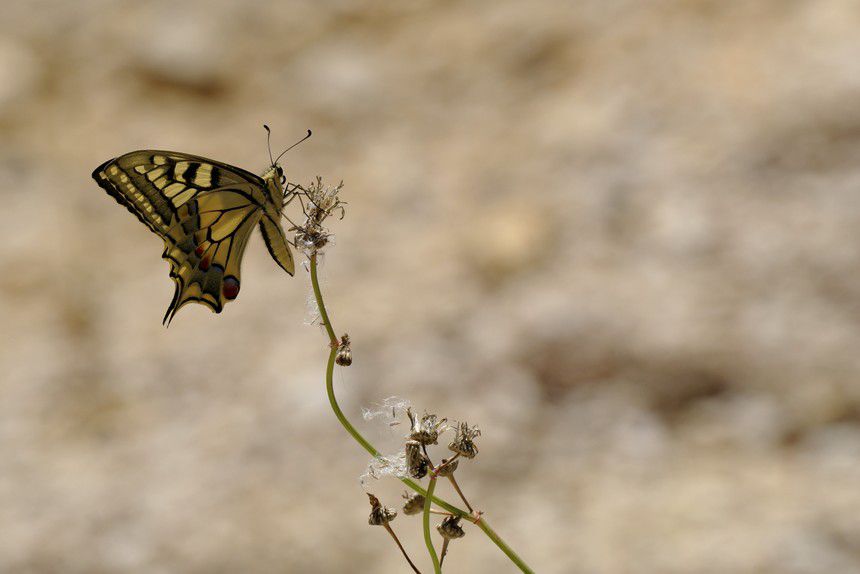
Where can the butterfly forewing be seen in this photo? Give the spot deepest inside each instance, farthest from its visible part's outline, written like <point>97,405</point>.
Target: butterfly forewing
<point>204,211</point>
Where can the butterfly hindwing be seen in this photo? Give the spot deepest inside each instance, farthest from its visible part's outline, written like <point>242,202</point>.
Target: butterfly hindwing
<point>276,243</point>
<point>204,211</point>
<point>205,249</point>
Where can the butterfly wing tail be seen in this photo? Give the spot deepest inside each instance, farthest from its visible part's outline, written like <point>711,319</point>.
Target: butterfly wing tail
<point>195,286</point>
<point>205,250</point>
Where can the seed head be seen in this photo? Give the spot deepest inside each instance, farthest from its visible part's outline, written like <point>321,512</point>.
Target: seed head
<point>447,468</point>
<point>417,463</point>
<point>379,514</point>
<point>344,352</point>
<point>451,529</point>
<point>463,443</point>
<point>312,236</point>
<point>426,429</point>
<point>323,200</point>
<point>414,503</point>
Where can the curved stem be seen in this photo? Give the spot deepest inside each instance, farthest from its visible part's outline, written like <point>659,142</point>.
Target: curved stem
<point>315,283</point>
<point>437,568</point>
<point>329,385</point>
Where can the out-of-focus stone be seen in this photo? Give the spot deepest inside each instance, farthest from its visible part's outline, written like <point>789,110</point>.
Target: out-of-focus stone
<point>185,47</point>
<point>20,71</point>
<point>509,239</point>
<point>345,78</point>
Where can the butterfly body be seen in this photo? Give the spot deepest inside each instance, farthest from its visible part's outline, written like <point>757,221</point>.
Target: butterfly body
<point>204,211</point>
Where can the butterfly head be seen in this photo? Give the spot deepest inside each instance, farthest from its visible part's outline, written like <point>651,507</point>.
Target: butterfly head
<point>276,183</point>
<point>275,174</point>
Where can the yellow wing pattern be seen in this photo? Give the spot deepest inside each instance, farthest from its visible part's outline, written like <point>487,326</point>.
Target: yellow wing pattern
<point>204,211</point>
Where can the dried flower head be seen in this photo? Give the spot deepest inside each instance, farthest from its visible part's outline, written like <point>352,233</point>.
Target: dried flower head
<point>447,468</point>
<point>417,463</point>
<point>426,429</point>
<point>379,514</point>
<point>344,352</point>
<point>312,236</point>
<point>463,443</point>
<point>414,503</point>
<point>450,528</point>
<point>323,201</point>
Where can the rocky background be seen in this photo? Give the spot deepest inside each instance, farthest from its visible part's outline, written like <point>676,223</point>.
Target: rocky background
<point>622,237</point>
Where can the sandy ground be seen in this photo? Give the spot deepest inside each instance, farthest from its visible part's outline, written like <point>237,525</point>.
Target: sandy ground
<point>622,237</point>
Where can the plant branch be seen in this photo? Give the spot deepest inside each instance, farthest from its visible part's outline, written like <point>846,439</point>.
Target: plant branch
<point>315,282</point>
<point>329,379</point>
<point>460,492</point>
<point>444,552</point>
<point>437,568</point>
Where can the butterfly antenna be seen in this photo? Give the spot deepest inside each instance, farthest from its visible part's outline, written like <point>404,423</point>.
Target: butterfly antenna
<point>310,133</point>
<point>269,142</point>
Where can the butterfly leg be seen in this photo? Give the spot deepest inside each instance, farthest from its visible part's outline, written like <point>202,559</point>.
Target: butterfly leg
<point>293,225</point>
<point>304,209</point>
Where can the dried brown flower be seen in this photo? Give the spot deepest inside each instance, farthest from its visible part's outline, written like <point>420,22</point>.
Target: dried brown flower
<point>426,429</point>
<point>463,443</point>
<point>344,352</point>
<point>450,528</point>
<point>379,514</point>
<point>311,237</point>
<point>417,463</point>
<point>447,468</point>
<point>414,503</point>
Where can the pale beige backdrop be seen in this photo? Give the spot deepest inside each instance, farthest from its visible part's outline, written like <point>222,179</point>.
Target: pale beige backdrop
<point>623,237</point>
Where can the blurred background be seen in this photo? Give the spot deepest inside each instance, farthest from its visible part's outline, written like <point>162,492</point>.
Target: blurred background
<point>622,237</point>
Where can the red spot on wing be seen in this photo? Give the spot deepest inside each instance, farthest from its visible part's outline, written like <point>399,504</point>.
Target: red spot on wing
<point>204,263</point>
<point>230,288</point>
<point>199,251</point>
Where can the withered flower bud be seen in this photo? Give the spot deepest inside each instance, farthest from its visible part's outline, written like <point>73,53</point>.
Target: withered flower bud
<point>312,236</point>
<point>323,201</point>
<point>451,529</point>
<point>447,468</point>
<point>417,463</point>
<point>414,503</point>
<point>464,441</point>
<point>344,352</point>
<point>379,514</point>
<point>427,429</point>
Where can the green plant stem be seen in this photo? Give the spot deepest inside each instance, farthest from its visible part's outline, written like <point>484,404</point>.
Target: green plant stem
<point>437,568</point>
<point>428,495</point>
<point>491,534</point>
<point>315,283</point>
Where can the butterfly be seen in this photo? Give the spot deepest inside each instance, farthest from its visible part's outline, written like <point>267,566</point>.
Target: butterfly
<point>204,211</point>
